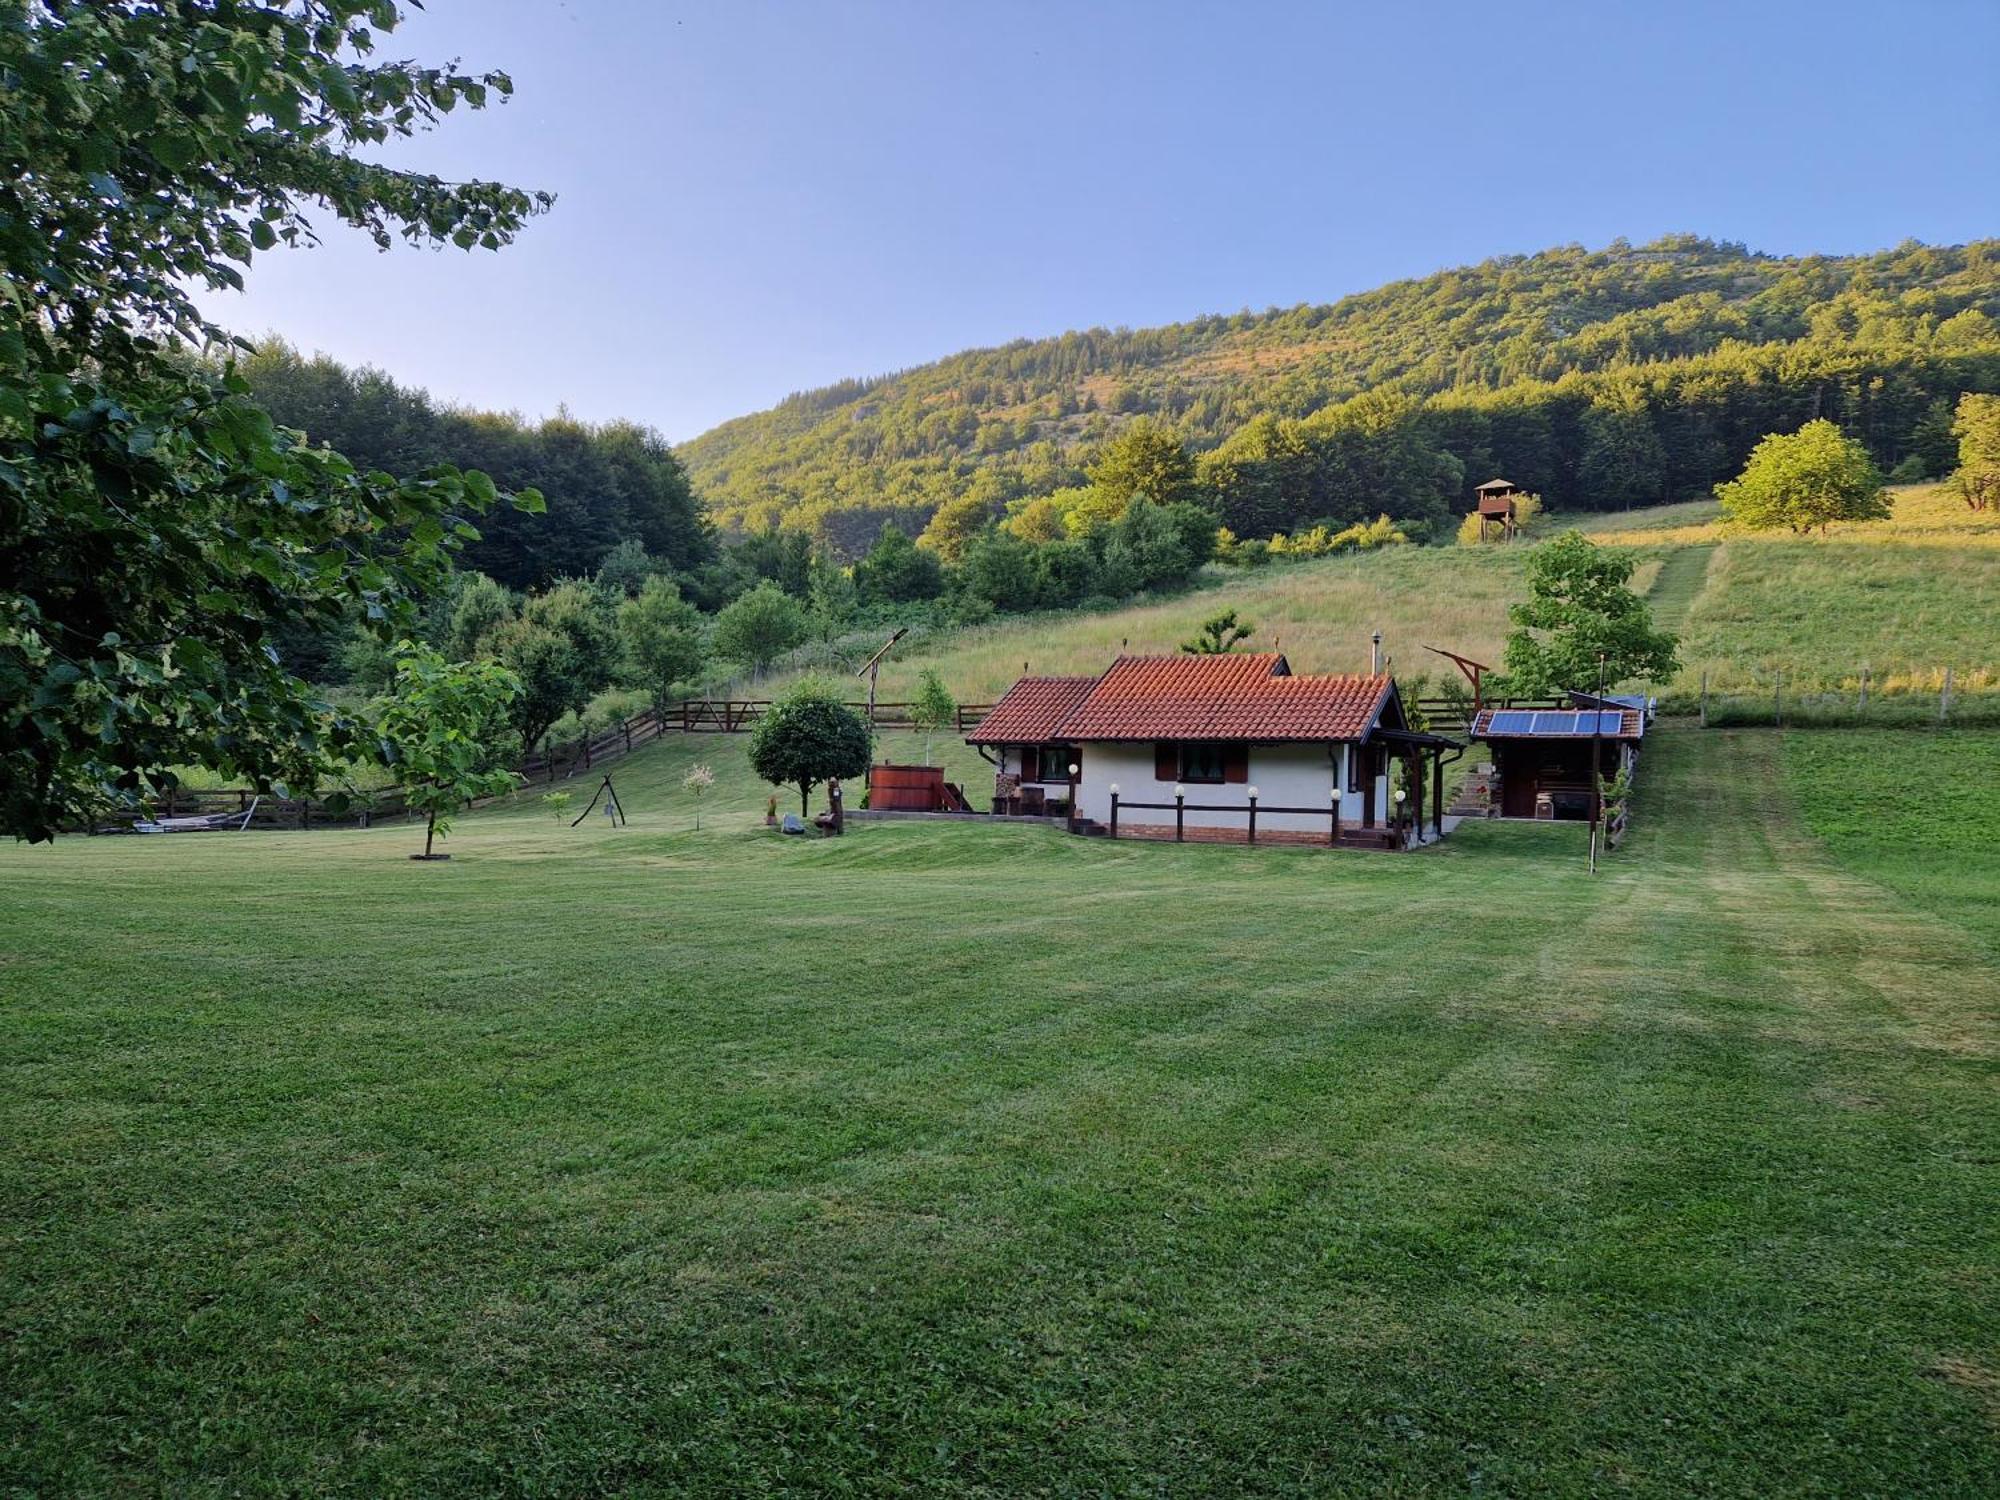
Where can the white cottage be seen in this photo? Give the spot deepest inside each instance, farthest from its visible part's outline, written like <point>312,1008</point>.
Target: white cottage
<point>1215,748</point>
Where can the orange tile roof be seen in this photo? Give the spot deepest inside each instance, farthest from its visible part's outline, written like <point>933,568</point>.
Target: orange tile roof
<point>1032,711</point>
<point>1227,697</point>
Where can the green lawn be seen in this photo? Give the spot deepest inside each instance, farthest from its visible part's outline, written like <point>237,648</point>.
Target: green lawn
<point>1919,813</point>
<point>949,1159</point>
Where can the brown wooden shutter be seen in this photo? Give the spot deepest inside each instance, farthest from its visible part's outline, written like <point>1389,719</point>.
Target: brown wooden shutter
<point>1236,763</point>
<point>1166,761</point>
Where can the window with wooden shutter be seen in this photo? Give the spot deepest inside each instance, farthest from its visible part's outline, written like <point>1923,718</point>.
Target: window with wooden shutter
<point>1236,763</point>
<point>1166,761</point>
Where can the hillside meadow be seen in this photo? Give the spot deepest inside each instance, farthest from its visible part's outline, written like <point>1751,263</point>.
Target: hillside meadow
<point>1906,598</point>
<point>654,1161</point>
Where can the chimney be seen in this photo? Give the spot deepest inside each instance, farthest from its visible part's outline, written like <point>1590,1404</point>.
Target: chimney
<point>1375,654</point>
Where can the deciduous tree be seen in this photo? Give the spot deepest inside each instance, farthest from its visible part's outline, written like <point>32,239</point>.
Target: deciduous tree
<point>1977,427</point>
<point>809,736</point>
<point>156,529</point>
<point>1144,459</point>
<point>662,637</point>
<point>932,709</point>
<point>443,731</point>
<point>1805,479</point>
<point>1578,608</point>
<point>759,627</point>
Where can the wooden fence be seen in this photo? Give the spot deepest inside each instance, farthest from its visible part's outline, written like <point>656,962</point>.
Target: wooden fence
<point>694,715</point>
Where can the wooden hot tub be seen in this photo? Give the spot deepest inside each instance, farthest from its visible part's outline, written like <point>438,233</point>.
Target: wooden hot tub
<point>906,788</point>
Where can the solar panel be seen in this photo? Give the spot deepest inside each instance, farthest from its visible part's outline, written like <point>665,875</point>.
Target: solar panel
<point>1564,723</point>
<point>1511,721</point>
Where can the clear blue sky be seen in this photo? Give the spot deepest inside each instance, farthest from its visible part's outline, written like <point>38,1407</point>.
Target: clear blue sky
<point>758,198</point>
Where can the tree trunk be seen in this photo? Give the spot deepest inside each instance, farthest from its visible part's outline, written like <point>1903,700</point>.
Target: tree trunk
<point>430,832</point>
<point>805,798</point>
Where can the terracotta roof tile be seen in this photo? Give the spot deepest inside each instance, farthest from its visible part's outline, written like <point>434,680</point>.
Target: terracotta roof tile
<point>1228,697</point>
<point>1031,712</point>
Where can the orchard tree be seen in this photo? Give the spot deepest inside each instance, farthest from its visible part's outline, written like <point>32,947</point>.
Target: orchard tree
<point>443,730</point>
<point>809,736</point>
<point>933,709</point>
<point>156,529</point>
<point>759,627</point>
<point>662,638</point>
<point>1805,479</point>
<point>1977,427</point>
<point>1579,608</point>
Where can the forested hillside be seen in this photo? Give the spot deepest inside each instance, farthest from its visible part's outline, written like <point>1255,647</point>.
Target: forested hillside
<point>603,484</point>
<point>1602,379</point>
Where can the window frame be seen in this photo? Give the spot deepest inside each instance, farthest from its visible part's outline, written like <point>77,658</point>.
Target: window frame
<point>1215,749</point>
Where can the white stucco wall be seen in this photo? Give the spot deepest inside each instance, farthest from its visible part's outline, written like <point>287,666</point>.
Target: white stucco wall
<point>1289,775</point>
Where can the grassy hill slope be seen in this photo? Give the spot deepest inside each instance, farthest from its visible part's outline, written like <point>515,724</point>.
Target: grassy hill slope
<point>1905,597</point>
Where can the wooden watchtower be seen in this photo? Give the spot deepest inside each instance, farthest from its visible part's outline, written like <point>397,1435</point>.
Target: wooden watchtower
<point>1496,506</point>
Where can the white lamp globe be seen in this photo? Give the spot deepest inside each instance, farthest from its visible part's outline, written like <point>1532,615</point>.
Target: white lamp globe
<point>1253,793</point>
<point>1179,791</point>
<point>1114,788</point>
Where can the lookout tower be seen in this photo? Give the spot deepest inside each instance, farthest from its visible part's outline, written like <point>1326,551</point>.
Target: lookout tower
<point>1496,506</point>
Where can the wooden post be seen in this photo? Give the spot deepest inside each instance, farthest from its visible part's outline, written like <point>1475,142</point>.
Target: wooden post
<point>1333,831</point>
<point>1180,814</point>
<point>628,736</point>
<point>586,749</point>
<point>1704,698</point>
<point>1864,691</point>
<point>1114,812</point>
<point>1778,696</point>
<point>1253,817</point>
<point>1944,698</point>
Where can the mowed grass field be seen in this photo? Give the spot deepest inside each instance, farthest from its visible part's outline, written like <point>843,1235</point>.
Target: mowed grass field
<point>945,1159</point>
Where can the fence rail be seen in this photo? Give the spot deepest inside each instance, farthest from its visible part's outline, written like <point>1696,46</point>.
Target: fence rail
<point>1367,834</point>
<point>693,715</point>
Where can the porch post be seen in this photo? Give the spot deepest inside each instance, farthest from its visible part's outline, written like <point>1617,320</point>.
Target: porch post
<point>1437,792</point>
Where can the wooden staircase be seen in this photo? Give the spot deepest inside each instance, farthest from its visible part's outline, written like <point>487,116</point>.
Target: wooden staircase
<point>1475,797</point>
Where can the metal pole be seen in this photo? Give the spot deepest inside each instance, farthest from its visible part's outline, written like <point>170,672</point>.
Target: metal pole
<point>1180,814</point>
<point>1253,817</point>
<point>1114,812</point>
<point>1597,762</point>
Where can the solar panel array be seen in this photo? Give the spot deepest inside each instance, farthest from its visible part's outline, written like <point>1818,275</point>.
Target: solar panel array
<point>1518,721</point>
